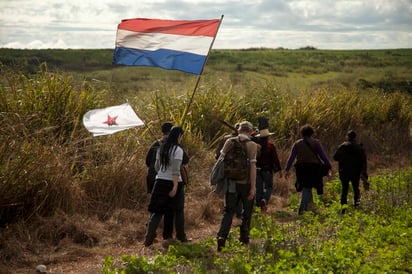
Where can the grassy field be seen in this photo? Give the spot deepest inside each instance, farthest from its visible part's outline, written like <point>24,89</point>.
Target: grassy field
<point>52,171</point>
<point>387,69</point>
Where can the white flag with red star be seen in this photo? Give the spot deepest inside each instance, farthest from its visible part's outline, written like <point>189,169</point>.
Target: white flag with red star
<point>111,119</point>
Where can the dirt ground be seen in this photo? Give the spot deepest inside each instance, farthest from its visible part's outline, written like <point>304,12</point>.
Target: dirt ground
<point>123,234</point>
<point>77,244</point>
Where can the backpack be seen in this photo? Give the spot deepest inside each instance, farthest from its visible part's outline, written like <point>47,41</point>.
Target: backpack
<point>236,161</point>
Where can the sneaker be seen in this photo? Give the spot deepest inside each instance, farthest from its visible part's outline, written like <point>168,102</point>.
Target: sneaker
<point>186,240</point>
<point>220,244</point>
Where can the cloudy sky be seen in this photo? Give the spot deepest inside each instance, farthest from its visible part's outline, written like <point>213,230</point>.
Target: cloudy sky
<point>324,24</point>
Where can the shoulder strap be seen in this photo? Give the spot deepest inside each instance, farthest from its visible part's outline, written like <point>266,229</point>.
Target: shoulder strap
<point>311,149</point>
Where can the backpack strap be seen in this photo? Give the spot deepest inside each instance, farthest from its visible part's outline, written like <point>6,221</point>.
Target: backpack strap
<point>313,150</point>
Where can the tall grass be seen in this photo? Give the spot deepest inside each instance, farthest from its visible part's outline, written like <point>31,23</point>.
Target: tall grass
<point>42,125</point>
<point>49,161</point>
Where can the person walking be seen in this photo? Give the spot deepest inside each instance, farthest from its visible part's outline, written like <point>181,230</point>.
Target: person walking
<point>168,191</point>
<point>239,190</point>
<point>219,147</point>
<point>267,164</point>
<point>309,155</point>
<point>352,162</point>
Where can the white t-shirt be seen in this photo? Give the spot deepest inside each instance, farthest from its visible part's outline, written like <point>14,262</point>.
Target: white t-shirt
<point>176,157</point>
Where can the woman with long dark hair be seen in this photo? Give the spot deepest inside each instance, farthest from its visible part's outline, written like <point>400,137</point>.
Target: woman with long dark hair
<point>168,191</point>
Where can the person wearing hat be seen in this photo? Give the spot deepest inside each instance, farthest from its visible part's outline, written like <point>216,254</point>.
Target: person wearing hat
<point>219,147</point>
<point>352,162</point>
<point>267,164</point>
<point>239,190</point>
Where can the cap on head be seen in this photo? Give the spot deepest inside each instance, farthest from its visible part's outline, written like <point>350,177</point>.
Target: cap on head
<point>246,126</point>
<point>166,127</point>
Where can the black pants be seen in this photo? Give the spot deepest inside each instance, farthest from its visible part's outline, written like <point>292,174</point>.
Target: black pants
<point>345,189</point>
<point>231,203</point>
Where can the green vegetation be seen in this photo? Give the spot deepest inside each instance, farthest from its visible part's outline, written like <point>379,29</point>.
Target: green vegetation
<point>375,239</point>
<point>51,166</point>
<point>388,70</point>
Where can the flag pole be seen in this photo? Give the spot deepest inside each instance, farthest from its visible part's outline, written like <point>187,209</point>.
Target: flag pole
<point>186,111</point>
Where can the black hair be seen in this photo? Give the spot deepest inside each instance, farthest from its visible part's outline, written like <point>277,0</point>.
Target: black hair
<point>351,135</point>
<point>166,127</point>
<point>306,130</point>
<point>169,146</point>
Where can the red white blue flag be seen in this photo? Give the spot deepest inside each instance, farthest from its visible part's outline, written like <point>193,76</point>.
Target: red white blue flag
<point>170,44</point>
<point>111,119</point>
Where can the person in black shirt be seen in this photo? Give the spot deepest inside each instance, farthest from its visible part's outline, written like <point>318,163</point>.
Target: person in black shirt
<point>352,161</point>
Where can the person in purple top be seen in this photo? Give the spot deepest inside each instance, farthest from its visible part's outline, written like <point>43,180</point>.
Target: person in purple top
<point>307,153</point>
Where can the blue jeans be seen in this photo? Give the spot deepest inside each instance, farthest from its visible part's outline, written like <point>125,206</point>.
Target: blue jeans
<point>307,198</point>
<point>231,203</point>
<point>264,186</point>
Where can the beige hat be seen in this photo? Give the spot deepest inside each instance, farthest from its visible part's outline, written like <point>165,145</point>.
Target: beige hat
<point>246,125</point>
<point>264,133</point>
<point>41,268</point>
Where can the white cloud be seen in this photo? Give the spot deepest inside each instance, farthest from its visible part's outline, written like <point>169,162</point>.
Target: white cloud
<point>327,24</point>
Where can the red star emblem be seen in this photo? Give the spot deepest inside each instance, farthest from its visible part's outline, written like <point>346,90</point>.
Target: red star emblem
<point>111,121</point>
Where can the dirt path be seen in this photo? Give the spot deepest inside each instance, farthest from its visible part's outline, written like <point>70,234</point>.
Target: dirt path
<point>122,234</point>
<point>93,264</point>
<point>77,259</point>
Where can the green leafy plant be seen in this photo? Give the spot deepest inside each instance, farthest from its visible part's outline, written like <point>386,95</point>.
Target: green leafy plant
<point>360,241</point>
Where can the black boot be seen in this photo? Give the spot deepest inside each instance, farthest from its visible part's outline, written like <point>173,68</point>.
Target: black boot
<point>220,244</point>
